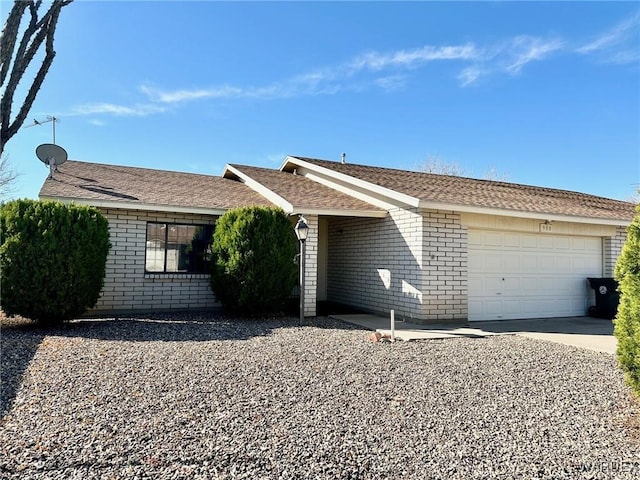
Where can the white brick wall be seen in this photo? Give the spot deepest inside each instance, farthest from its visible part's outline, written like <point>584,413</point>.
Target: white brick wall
<point>128,288</point>
<point>445,266</point>
<point>311,267</point>
<point>612,248</point>
<point>412,261</point>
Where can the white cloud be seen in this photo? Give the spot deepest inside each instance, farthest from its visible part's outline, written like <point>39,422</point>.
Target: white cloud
<point>140,110</point>
<point>391,71</point>
<point>618,45</point>
<point>470,75</point>
<point>182,95</point>
<point>411,58</point>
<point>524,49</point>
<point>391,82</point>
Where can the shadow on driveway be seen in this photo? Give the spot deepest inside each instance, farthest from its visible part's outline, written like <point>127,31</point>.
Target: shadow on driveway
<point>566,326</point>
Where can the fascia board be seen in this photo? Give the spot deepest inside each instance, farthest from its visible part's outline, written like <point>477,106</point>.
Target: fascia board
<point>258,187</point>
<point>335,212</point>
<point>517,213</point>
<point>347,182</point>
<point>147,207</point>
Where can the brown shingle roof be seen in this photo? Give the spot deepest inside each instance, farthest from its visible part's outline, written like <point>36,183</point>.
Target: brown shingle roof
<point>143,186</point>
<point>462,191</point>
<point>302,192</point>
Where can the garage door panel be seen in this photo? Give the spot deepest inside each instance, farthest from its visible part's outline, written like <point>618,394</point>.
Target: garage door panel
<point>492,239</point>
<point>518,275</point>
<point>493,263</point>
<point>545,242</point>
<point>511,240</point>
<point>547,263</point>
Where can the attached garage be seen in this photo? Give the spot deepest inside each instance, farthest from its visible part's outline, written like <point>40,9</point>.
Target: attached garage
<point>514,275</point>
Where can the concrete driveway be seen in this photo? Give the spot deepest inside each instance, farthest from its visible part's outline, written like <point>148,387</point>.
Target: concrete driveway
<point>584,332</point>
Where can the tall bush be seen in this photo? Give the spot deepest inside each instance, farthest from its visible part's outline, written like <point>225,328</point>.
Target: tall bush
<point>252,259</point>
<point>52,259</point>
<point>627,322</point>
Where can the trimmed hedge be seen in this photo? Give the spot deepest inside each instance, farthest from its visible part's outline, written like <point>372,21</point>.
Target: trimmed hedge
<point>52,259</point>
<point>252,259</point>
<point>627,322</point>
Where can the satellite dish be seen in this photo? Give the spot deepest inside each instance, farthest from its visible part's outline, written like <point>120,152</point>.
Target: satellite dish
<point>52,155</point>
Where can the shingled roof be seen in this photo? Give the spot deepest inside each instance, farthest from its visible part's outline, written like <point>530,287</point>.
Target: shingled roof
<point>133,187</point>
<point>303,194</point>
<point>468,192</point>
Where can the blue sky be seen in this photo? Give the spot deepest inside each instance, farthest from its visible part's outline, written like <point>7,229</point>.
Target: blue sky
<point>542,93</point>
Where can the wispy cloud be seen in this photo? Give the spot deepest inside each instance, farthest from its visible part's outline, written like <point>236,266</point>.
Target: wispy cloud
<point>524,50</point>
<point>350,75</point>
<point>391,82</point>
<point>139,110</point>
<point>617,45</point>
<point>182,95</point>
<point>393,70</point>
<point>470,75</point>
<point>413,58</point>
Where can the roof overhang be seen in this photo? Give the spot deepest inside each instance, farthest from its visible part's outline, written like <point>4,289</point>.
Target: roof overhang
<point>338,212</point>
<point>233,173</point>
<point>136,206</point>
<point>369,192</point>
<point>531,215</point>
<point>386,198</point>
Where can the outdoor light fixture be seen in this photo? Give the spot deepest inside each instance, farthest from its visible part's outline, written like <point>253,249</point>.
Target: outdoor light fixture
<point>302,230</point>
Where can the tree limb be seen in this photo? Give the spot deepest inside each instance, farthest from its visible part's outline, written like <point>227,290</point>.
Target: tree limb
<point>37,32</point>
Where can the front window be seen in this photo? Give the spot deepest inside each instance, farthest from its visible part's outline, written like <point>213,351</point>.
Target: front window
<point>173,247</point>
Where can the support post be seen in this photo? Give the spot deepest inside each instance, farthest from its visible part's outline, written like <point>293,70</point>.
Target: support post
<point>302,255</point>
<point>393,325</point>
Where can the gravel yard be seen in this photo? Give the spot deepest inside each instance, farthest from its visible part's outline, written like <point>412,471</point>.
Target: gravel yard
<point>169,397</point>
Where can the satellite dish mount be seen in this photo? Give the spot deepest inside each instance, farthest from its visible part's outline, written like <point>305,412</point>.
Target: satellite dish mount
<point>51,155</point>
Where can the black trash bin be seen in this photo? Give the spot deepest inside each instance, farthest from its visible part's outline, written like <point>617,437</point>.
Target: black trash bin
<point>607,297</point>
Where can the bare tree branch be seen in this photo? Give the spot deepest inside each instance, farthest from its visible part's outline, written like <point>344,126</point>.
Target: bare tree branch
<point>435,164</point>
<point>14,65</point>
<point>7,176</point>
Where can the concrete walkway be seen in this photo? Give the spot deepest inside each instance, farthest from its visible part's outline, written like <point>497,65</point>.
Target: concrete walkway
<point>584,332</point>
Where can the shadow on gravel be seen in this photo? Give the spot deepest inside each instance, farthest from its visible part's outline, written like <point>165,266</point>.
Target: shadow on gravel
<point>18,345</point>
<point>187,327</point>
<point>168,329</point>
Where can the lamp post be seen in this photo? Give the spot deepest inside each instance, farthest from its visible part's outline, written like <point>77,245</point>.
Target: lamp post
<point>302,230</point>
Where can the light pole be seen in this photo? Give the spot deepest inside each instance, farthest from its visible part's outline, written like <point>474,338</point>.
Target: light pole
<point>302,230</point>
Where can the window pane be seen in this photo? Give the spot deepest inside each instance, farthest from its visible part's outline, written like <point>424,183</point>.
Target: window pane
<point>187,248</point>
<point>178,243</point>
<point>155,247</point>
<point>201,248</point>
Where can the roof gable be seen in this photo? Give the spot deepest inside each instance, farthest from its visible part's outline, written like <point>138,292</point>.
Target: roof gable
<point>467,194</point>
<point>298,194</point>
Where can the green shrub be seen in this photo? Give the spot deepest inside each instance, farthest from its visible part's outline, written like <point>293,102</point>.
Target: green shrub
<point>52,259</point>
<point>252,259</point>
<point>627,322</point>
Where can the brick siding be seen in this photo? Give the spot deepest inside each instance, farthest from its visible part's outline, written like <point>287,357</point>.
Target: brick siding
<point>612,248</point>
<point>445,266</point>
<point>127,288</point>
<point>412,261</point>
<point>311,267</point>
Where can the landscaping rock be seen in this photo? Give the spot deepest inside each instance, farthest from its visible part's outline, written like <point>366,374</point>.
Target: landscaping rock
<point>191,396</point>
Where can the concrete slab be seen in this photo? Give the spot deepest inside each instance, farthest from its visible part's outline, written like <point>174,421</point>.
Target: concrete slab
<point>583,332</point>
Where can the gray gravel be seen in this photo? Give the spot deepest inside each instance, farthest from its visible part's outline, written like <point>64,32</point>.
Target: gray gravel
<point>196,397</point>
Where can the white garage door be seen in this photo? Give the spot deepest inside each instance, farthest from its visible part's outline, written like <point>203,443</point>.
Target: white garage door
<point>522,275</point>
